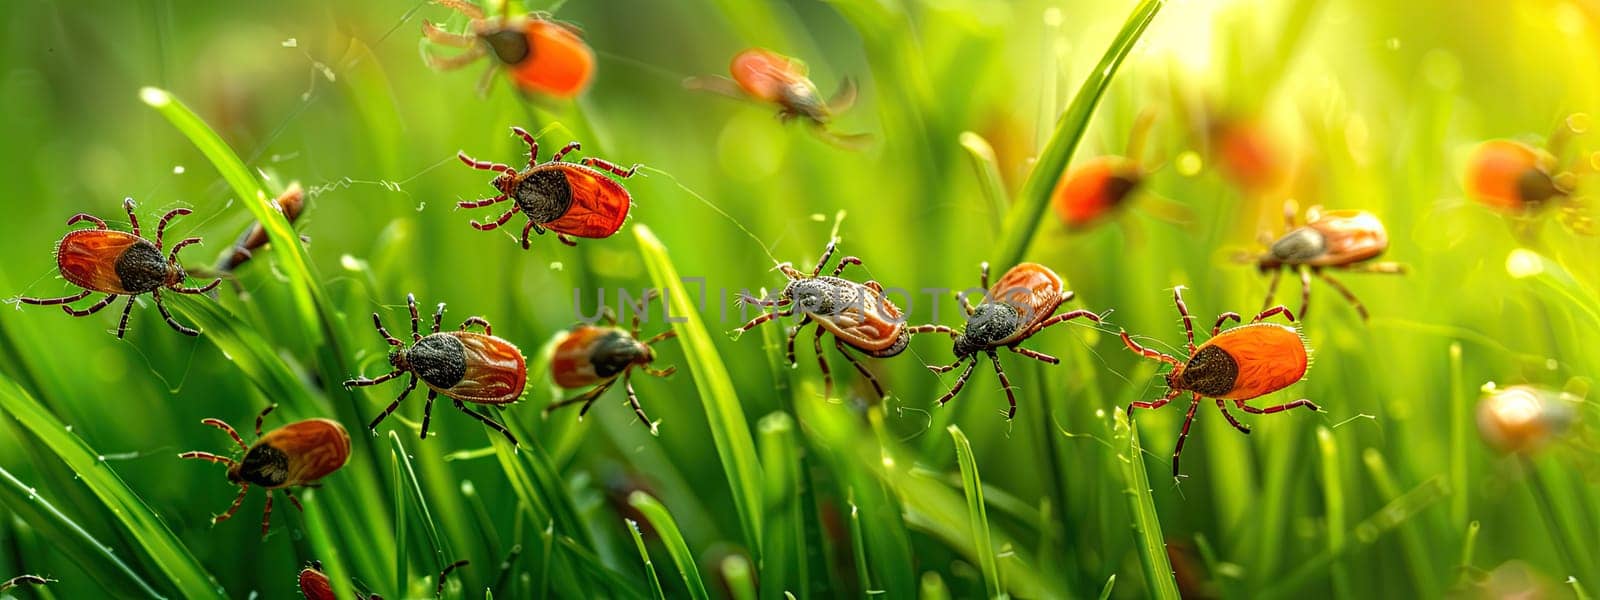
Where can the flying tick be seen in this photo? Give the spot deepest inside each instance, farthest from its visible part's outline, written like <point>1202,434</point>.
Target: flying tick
<point>297,454</point>
<point>571,199</point>
<point>118,263</point>
<point>541,55</point>
<point>1342,239</point>
<point>766,76</point>
<point>1236,364</point>
<point>1096,189</point>
<point>1021,304</point>
<point>463,366</point>
<point>858,315</point>
<point>599,356</point>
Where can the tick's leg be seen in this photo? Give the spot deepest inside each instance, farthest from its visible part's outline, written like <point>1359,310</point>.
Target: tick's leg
<point>667,372</point>
<point>983,277</point>
<point>566,239</point>
<point>605,165</point>
<point>916,329</point>
<point>1005,383</point>
<point>877,388</point>
<point>266,515</point>
<point>822,362</point>
<point>495,425</point>
<point>92,309</point>
<point>208,457</point>
<point>562,153</point>
<point>495,224</point>
<point>451,63</point>
<point>1272,287</point>
<point>133,220</point>
<point>161,226</point>
<point>438,318</point>
<point>440,36</point>
<point>762,318</point>
<point>946,368</point>
<point>1036,355</point>
<point>99,223</point>
<point>482,202</point>
<point>1390,268</point>
<point>122,326</point>
<point>827,253</point>
<point>172,256</point>
<point>262,417</point>
<point>438,591</point>
<point>845,262</point>
<point>487,330</point>
<point>1343,291</point>
<point>526,229</point>
<point>960,381</point>
<point>586,398</point>
<point>1305,291</point>
<point>484,165</point>
<point>633,401</point>
<point>1146,352</point>
<point>1066,316</point>
<point>416,319</point>
<point>427,412</point>
<point>173,323</point>
<point>533,144</point>
<point>1279,408</point>
<point>373,426</point>
<point>1183,311</point>
<point>1276,310</point>
<point>378,323</point>
<point>232,508</point>
<point>1244,429</point>
<point>364,382</point>
<point>794,333</point>
<point>1290,208</point>
<point>1154,404</point>
<point>744,298</point>
<point>1183,434</point>
<point>639,311</point>
<point>220,424</point>
<point>462,6</point>
<point>199,290</point>
<point>665,335</point>
<point>293,500</point>
<point>1223,318</point>
<point>54,301</point>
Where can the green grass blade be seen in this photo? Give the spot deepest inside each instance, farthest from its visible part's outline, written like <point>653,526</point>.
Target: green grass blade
<point>67,537</point>
<point>933,587</point>
<point>736,572</point>
<point>1411,540</point>
<point>858,547</point>
<point>1333,498</point>
<point>783,565</point>
<point>987,170</point>
<point>1461,417</point>
<point>325,544</point>
<point>140,522</point>
<point>729,432</point>
<point>402,526</point>
<point>649,566</point>
<point>976,512</point>
<point>667,528</point>
<point>413,492</point>
<point>1469,546</point>
<point>1146,525</point>
<point>1034,198</point>
<point>1367,532</point>
<point>1111,584</point>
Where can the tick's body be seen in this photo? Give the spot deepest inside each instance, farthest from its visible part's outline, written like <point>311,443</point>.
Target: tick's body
<point>1236,365</point>
<point>1512,177</point>
<point>575,200</point>
<point>1342,239</point>
<point>314,584</point>
<point>768,77</point>
<point>1094,191</point>
<point>462,365</point>
<point>291,202</point>
<point>1019,305</point>
<point>540,55</point>
<point>858,315</point>
<point>118,263</point>
<point>297,454</point>
<point>588,355</point>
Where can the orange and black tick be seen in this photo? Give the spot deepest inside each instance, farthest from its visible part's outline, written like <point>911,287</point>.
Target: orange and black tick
<point>1238,364</point>
<point>1346,240</point>
<point>1520,181</point>
<point>462,365</point>
<point>766,76</point>
<point>314,584</point>
<point>1022,303</point>
<point>858,315</point>
<point>291,202</point>
<point>118,263</point>
<point>297,454</point>
<point>541,55</point>
<point>572,199</point>
<point>1095,190</point>
<point>599,356</point>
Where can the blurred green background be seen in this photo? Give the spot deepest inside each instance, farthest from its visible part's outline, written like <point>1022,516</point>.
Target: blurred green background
<point>1361,104</point>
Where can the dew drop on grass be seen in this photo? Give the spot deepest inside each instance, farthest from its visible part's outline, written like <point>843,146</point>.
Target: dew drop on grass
<point>556,265</point>
<point>291,43</point>
<point>177,170</point>
<point>1189,163</point>
<point>1522,263</point>
<point>351,263</point>
<point>819,217</point>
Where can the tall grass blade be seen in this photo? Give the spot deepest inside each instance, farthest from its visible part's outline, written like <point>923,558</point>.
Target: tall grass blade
<point>729,432</point>
<point>736,572</point>
<point>69,538</point>
<point>1146,525</point>
<point>649,566</point>
<point>140,522</point>
<point>419,504</point>
<point>976,512</point>
<point>858,548</point>
<point>1034,198</point>
<point>1397,512</point>
<point>783,565</point>
<point>1416,551</point>
<point>987,170</point>
<point>667,528</point>
<point>1333,498</point>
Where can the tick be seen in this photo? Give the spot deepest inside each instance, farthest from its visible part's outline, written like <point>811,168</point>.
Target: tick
<point>297,454</point>
<point>118,263</point>
<point>461,365</point>
<point>1098,188</point>
<point>572,199</point>
<point>858,315</point>
<point>1520,181</point>
<point>598,356</point>
<point>1237,364</point>
<point>8,584</point>
<point>291,202</point>
<point>1022,303</point>
<point>1346,240</point>
<point>314,584</point>
<point>766,76</point>
<point>541,55</point>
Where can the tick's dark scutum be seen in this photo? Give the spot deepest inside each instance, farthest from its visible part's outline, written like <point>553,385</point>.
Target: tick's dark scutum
<point>544,194</point>
<point>1211,372</point>
<point>141,268</point>
<point>438,359</point>
<point>265,466</point>
<point>509,45</point>
<point>613,353</point>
